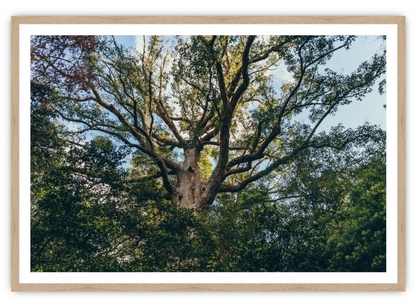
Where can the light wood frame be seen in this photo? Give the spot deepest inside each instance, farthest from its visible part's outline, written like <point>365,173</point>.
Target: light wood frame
<point>401,200</point>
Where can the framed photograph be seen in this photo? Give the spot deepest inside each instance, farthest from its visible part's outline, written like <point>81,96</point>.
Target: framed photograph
<point>208,153</point>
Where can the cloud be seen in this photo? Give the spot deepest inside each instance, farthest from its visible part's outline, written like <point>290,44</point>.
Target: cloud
<point>281,75</point>
<point>139,42</point>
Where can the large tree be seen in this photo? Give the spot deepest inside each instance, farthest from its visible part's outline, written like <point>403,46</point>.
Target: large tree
<point>204,117</point>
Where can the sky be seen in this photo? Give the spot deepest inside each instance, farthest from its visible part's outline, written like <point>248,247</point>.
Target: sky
<point>370,109</point>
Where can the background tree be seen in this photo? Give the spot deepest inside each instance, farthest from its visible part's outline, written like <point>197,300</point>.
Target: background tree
<point>358,237</point>
<point>313,218</point>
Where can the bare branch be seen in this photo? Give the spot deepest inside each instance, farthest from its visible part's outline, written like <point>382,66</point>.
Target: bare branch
<point>218,144</point>
<point>244,70</point>
<point>150,176</point>
<point>164,115</point>
<point>220,73</point>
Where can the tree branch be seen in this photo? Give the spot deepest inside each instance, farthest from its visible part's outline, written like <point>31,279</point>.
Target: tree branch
<point>244,68</point>
<point>218,66</point>
<point>150,176</point>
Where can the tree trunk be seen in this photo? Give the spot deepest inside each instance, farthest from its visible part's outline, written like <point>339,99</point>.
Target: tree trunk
<point>189,180</point>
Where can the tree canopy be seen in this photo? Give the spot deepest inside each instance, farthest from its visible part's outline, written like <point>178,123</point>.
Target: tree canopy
<point>223,174</point>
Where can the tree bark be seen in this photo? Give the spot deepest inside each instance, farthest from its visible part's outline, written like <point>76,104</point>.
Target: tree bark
<point>189,180</point>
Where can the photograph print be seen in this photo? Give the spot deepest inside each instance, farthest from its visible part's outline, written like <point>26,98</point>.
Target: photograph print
<point>195,153</point>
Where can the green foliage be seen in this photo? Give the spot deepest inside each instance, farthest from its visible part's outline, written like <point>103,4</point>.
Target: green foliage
<point>328,214</point>
<point>358,238</point>
<point>336,224</point>
<point>85,219</point>
<point>46,146</point>
<point>300,201</point>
